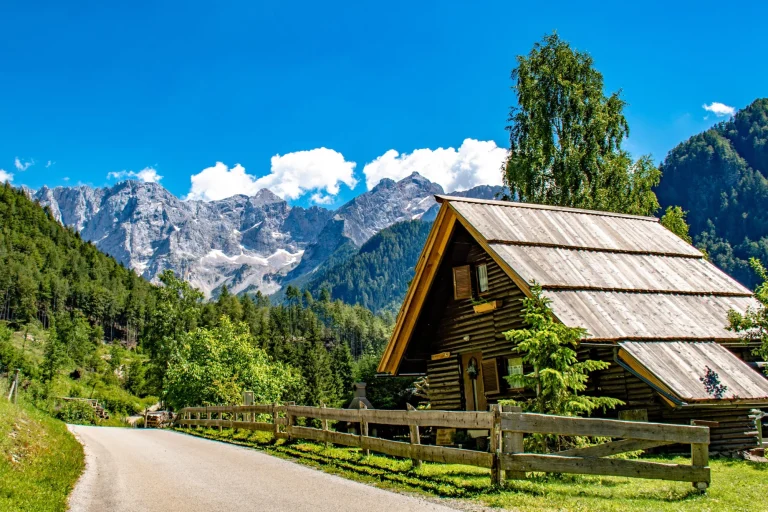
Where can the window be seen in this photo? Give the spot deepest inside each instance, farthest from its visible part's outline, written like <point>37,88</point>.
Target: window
<point>482,278</point>
<point>515,367</point>
<point>462,282</point>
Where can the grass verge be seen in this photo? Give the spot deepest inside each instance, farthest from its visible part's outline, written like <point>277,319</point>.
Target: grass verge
<point>40,460</point>
<point>736,485</point>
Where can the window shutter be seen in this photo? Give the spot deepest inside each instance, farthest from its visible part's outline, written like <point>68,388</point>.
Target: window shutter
<point>490,376</point>
<point>462,283</point>
<point>482,278</point>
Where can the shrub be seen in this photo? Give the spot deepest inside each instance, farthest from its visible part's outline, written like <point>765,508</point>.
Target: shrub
<point>77,411</point>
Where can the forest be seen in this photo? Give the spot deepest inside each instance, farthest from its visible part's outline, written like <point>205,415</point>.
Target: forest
<point>720,177</point>
<point>77,323</point>
<point>378,275</point>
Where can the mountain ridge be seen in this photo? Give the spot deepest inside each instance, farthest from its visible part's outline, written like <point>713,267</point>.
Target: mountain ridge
<point>249,243</point>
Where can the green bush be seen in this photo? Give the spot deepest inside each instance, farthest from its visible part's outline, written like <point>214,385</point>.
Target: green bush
<point>139,423</point>
<point>77,411</point>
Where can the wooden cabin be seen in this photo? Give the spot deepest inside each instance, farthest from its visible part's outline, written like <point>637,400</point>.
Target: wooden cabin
<point>653,306</point>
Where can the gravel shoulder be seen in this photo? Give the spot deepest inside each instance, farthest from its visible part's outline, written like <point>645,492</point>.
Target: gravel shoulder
<point>148,470</point>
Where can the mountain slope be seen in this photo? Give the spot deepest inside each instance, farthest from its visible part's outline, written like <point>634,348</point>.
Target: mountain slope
<point>241,241</point>
<point>720,177</point>
<point>378,276</point>
<point>46,269</point>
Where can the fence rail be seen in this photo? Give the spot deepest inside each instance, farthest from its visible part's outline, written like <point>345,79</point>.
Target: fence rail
<point>506,429</point>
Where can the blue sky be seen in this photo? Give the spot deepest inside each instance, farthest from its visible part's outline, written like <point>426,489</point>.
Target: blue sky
<point>173,88</point>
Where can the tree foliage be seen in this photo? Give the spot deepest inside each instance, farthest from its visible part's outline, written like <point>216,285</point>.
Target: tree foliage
<point>565,137</point>
<point>720,177</point>
<point>214,366</point>
<point>674,220</point>
<point>753,325</point>
<point>378,275</point>
<point>557,376</point>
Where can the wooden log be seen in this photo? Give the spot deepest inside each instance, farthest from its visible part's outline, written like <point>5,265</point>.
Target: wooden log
<point>300,411</point>
<point>290,419</point>
<point>512,442</point>
<point>363,429</point>
<point>612,448</point>
<point>597,427</point>
<point>415,437</point>
<point>428,452</point>
<point>327,436</point>
<point>608,467</point>
<point>495,438</point>
<point>324,424</point>
<point>447,419</point>
<point>700,459</point>
<point>275,423</point>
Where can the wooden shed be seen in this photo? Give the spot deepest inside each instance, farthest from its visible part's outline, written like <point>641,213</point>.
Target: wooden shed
<point>653,306</point>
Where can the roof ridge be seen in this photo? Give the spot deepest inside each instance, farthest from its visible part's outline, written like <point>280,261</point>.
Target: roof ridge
<point>444,197</point>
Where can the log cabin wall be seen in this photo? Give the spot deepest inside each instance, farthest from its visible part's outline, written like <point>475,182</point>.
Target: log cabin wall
<point>735,431</point>
<point>450,326</point>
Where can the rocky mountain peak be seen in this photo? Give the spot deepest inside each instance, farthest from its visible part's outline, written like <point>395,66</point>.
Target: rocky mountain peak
<point>248,243</point>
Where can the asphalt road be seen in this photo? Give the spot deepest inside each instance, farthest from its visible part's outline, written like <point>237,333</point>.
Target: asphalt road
<point>159,470</point>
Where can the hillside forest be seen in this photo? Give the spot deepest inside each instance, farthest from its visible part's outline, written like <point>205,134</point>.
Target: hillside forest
<point>78,324</point>
<point>720,177</point>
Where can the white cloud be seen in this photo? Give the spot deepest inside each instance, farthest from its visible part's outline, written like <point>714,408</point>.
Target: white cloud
<point>22,166</point>
<point>66,178</point>
<point>5,176</point>
<point>319,198</point>
<point>49,163</point>
<point>146,175</point>
<point>292,175</point>
<point>476,162</point>
<point>719,109</point>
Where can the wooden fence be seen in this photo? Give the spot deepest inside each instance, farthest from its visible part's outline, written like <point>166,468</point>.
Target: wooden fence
<point>506,428</point>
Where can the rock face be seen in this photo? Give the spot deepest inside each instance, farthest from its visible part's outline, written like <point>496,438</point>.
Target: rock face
<point>248,243</point>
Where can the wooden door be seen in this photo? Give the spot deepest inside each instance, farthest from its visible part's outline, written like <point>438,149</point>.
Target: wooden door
<point>472,375</point>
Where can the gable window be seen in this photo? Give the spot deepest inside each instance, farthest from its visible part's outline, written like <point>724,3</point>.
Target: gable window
<point>462,282</point>
<point>482,278</point>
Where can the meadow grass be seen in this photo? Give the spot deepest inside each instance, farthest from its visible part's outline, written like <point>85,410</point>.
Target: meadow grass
<point>736,484</point>
<point>40,460</point>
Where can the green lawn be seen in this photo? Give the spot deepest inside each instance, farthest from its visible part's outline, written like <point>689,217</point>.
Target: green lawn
<point>40,460</point>
<point>736,485</point>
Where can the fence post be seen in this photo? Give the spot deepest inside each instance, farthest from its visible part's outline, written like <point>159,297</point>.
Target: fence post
<point>275,429</point>
<point>324,427</point>
<point>363,428</point>
<point>512,442</point>
<point>415,437</point>
<point>289,419</point>
<point>495,434</point>
<point>700,457</point>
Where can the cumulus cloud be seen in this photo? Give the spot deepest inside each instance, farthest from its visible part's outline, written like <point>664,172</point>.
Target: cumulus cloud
<point>146,175</point>
<point>22,166</point>
<point>319,198</point>
<point>475,162</point>
<point>5,176</point>
<point>719,109</point>
<point>292,175</point>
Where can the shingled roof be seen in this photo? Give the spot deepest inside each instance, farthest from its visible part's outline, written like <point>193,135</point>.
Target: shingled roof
<point>621,277</point>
